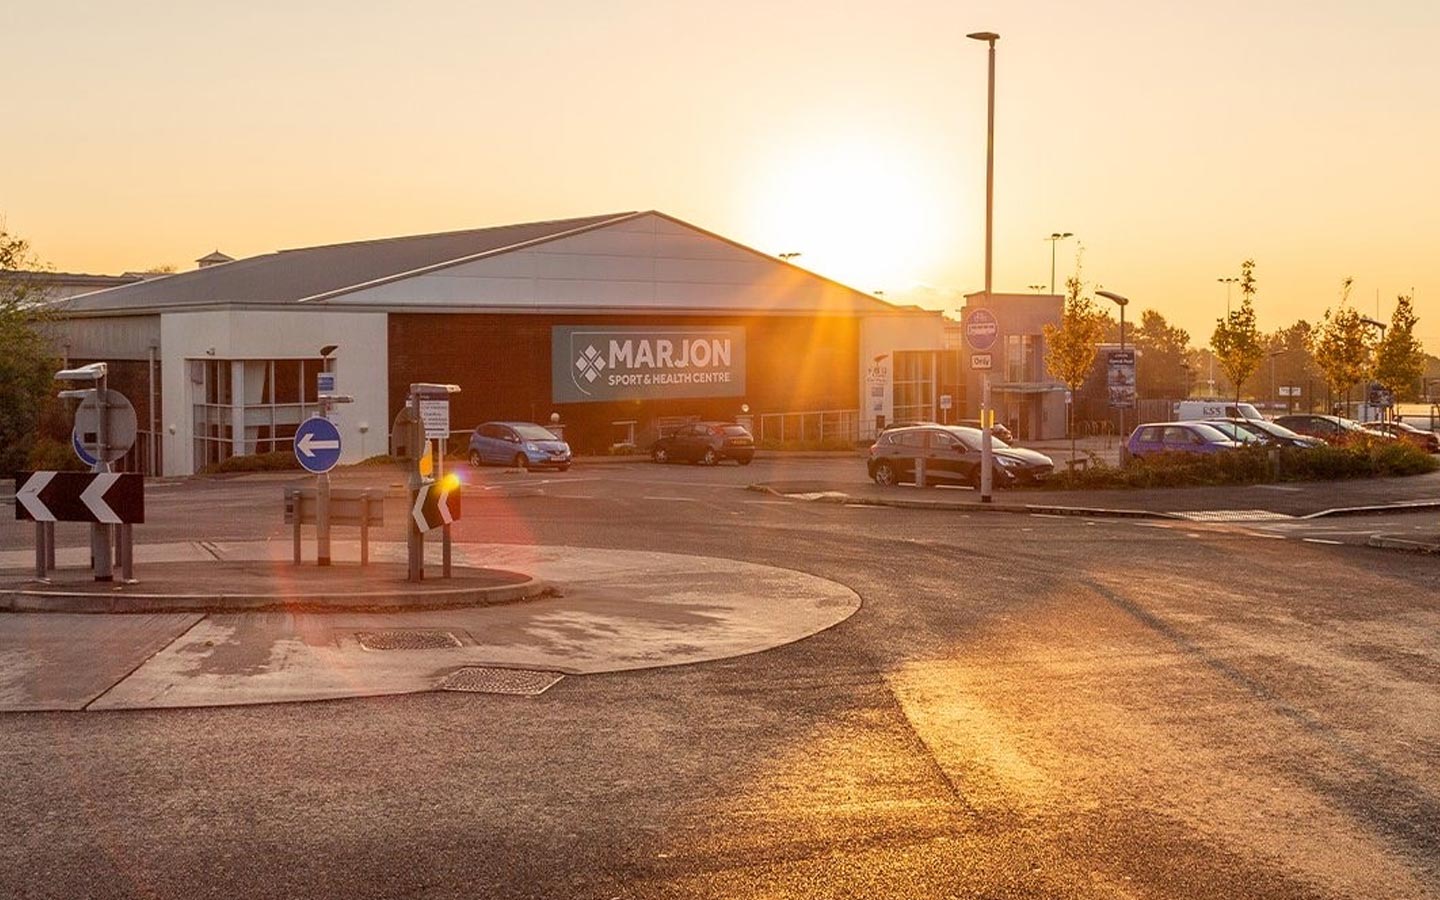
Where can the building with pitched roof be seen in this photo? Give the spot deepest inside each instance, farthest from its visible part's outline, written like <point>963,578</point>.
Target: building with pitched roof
<point>616,323</point>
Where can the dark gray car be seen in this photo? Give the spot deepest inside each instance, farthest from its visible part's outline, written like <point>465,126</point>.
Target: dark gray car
<point>951,453</point>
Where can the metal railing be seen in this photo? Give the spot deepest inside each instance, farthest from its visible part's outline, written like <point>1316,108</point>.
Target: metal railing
<point>818,425</point>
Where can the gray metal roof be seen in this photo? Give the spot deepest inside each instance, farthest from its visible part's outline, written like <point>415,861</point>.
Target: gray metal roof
<point>292,275</point>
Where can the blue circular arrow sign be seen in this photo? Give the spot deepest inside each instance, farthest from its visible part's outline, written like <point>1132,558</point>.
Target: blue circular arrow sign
<point>80,450</point>
<point>317,445</point>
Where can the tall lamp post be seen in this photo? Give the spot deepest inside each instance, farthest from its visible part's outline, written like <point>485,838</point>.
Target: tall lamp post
<point>987,454</point>
<point>1227,282</point>
<point>1054,238</point>
<point>1121,302</point>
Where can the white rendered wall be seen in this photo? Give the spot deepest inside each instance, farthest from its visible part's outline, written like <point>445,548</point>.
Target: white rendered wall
<point>886,335</point>
<point>641,264</point>
<point>361,366</point>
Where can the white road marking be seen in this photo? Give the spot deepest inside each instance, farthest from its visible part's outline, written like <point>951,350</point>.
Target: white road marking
<point>672,499</point>
<point>1323,541</point>
<point>769,502</point>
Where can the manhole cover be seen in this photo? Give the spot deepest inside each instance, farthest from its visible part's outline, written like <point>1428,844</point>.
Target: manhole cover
<point>483,680</point>
<point>407,640</point>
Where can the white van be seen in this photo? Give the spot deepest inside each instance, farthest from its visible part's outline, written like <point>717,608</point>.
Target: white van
<point>1190,410</point>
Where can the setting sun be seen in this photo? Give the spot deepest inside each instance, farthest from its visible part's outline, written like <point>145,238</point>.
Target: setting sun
<point>863,212</point>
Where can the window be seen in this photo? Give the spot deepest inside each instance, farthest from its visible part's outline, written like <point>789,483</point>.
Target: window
<point>914,385</point>
<point>249,406</point>
<point>910,439</point>
<point>1020,357</point>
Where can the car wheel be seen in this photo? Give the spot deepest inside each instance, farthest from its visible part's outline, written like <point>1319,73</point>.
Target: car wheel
<point>744,460</point>
<point>974,480</point>
<point>709,459</point>
<point>564,468</point>
<point>521,462</point>
<point>884,474</point>
<point>660,454</point>
<point>475,458</point>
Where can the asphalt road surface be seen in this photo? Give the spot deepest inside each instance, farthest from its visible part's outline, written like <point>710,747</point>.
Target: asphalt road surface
<point>1025,706</point>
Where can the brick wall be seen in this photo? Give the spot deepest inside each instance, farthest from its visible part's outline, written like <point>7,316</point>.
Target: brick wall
<point>502,363</point>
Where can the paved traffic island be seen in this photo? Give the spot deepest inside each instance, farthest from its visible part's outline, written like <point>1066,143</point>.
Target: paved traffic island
<point>227,586</point>
<point>604,611</point>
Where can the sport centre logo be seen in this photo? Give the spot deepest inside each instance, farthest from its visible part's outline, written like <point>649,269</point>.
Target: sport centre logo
<point>640,363</point>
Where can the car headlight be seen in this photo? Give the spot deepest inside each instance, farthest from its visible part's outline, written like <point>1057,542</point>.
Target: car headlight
<point>531,447</point>
<point>1006,461</point>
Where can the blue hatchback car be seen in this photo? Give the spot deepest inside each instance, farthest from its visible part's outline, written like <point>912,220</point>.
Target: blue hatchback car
<point>1178,437</point>
<point>520,445</point>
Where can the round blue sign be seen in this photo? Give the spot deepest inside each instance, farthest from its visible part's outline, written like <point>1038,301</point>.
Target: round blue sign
<point>981,329</point>
<point>317,445</point>
<point>80,450</point>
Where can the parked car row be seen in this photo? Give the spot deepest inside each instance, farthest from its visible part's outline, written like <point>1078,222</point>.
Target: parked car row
<point>1306,430</point>
<point>526,445</point>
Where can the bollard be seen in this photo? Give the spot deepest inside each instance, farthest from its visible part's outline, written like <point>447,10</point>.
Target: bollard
<point>920,472</point>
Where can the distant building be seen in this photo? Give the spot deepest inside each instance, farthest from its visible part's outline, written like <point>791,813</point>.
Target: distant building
<point>62,285</point>
<point>1004,341</point>
<point>617,323</point>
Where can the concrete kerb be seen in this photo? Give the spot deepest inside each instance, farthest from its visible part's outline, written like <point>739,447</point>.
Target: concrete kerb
<point>1390,542</point>
<point>41,598</point>
<point>1375,509</point>
<point>840,497</point>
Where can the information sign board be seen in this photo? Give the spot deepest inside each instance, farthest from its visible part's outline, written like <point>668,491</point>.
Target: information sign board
<point>435,418</point>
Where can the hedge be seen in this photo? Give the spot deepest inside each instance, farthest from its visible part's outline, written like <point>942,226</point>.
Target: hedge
<point>1251,465</point>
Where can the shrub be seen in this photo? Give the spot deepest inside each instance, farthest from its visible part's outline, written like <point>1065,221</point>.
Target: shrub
<point>1252,465</point>
<point>50,455</point>
<point>278,461</point>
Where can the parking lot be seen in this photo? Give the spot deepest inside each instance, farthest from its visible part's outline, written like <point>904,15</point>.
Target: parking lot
<point>1025,704</point>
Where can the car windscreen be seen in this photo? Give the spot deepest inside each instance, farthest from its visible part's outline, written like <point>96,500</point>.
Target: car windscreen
<point>1274,430</point>
<point>1233,431</point>
<point>1208,432</point>
<point>533,433</point>
<point>1248,412</point>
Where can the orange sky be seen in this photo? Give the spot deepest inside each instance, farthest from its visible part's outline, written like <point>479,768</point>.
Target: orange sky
<point>1174,138</point>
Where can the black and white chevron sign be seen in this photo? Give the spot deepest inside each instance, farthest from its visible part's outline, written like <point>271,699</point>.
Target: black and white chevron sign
<point>437,504</point>
<point>109,498</point>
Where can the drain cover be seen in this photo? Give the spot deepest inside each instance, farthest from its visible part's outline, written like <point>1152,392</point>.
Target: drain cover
<point>407,640</point>
<point>484,680</point>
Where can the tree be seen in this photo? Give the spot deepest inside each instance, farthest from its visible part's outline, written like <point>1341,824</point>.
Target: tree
<point>1399,359</point>
<point>1164,351</point>
<point>1236,341</point>
<point>1343,345</point>
<point>1070,349</point>
<point>27,363</point>
<point>1290,361</point>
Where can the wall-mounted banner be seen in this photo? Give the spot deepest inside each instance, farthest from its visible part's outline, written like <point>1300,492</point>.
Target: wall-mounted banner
<point>591,364</point>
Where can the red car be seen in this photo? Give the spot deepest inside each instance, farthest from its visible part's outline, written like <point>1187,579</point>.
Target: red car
<point>1425,440</point>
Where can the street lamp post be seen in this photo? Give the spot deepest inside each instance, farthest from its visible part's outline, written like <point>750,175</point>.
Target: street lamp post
<point>1054,238</point>
<point>1121,302</point>
<point>1374,323</point>
<point>1227,282</point>
<point>987,454</point>
<point>1274,397</point>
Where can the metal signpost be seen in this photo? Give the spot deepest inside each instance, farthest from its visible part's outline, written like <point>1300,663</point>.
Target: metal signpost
<point>428,416</point>
<point>318,448</point>
<point>987,449</point>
